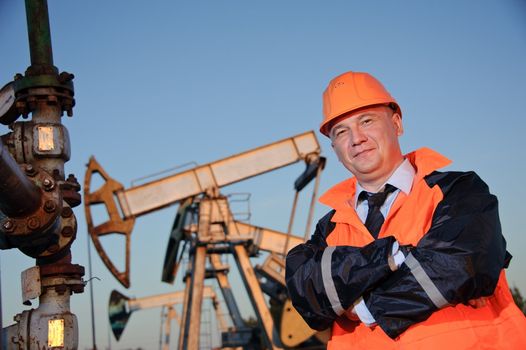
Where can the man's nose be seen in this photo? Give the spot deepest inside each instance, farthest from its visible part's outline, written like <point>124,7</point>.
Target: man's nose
<point>358,136</point>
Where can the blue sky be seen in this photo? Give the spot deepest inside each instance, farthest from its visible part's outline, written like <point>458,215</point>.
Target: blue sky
<point>163,83</point>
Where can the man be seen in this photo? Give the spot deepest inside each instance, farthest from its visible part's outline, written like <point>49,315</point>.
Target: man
<point>409,257</point>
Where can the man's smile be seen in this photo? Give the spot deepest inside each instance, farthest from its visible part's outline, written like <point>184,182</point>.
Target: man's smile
<point>363,153</point>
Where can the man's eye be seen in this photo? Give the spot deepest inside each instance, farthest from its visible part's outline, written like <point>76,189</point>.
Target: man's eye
<point>339,132</point>
<point>366,121</point>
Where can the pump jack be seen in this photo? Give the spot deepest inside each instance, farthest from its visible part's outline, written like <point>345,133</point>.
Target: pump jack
<point>36,199</point>
<point>205,222</point>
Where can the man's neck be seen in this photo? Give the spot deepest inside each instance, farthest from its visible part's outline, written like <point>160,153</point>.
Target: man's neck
<point>376,185</point>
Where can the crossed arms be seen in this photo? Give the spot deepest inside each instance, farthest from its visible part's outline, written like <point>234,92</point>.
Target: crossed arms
<point>459,259</point>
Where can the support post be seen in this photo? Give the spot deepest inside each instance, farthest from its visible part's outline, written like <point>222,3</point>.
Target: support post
<point>193,314</point>
<point>256,297</point>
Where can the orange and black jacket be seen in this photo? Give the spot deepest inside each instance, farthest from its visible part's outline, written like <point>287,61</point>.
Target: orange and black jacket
<point>449,231</point>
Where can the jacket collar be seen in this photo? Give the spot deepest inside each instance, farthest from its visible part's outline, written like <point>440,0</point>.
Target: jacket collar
<point>424,160</point>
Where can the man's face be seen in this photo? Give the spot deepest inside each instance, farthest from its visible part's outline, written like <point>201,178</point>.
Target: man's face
<point>366,142</point>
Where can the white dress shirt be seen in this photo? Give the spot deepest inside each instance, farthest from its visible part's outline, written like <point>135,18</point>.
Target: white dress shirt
<point>402,179</point>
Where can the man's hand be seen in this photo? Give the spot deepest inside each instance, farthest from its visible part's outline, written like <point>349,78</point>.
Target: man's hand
<point>351,315</point>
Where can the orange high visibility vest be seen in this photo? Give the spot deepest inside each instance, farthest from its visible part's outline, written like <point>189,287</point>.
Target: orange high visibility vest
<point>497,325</point>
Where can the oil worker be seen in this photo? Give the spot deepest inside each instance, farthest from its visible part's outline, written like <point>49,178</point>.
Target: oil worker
<point>409,257</point>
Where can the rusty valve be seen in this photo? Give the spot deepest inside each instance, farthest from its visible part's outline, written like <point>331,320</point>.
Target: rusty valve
<point>34,230</point>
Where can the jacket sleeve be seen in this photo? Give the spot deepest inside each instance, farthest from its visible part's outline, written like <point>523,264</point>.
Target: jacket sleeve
<point>323,282</point>
<point>460,258</point>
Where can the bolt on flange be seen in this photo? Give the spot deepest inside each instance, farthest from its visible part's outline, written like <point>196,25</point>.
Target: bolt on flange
<point>8,225</point>
<point>33,223</point>
<point>66,212</point>
<point>50,206</point>
<point>67,231</point>
<point>48,184</point>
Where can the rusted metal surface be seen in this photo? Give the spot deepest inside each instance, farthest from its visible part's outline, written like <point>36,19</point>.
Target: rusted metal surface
<point>18,195</point>
<point>62,268</point>
<point>39,325</point>
<point>49,230</point>
<point>31,286</point>
<point>54,90</point>
<point>70,189</point>
<point>115,224</point>
<point>42,73</point>
<point>32,197</point>
<point>33,328</point>
<point>63,277</point>
<point>65,233</point>
<point>27,228</point>
<point>41,143</point>
<point>35,197</point>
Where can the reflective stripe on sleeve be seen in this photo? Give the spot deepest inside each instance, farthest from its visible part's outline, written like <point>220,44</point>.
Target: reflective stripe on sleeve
<point>328,283</point>
<point>425,282</point>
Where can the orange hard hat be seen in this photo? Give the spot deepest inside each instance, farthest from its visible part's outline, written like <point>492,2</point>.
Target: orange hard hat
<point>351,91</point>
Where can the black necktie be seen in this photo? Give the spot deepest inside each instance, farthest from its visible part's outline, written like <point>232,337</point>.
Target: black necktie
<point>375,219</point>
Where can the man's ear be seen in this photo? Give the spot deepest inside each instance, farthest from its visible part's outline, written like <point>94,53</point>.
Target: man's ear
<point>397,121</point>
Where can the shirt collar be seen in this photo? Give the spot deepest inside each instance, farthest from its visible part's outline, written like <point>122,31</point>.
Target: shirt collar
<point>402,178</point>
<point>423,160</point>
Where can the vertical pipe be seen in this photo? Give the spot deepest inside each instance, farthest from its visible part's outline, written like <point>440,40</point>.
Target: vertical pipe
<point>186,305</point>
<point>161,328</point>
<point>164,316</point>
<point>1,311</point>
<point>168,327</point>
<point>91,297</point>
<point>291,222</point>
<point>313,202</point>
<point>109,336</point>
<point>41,52</point>
<point>39,36</point>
